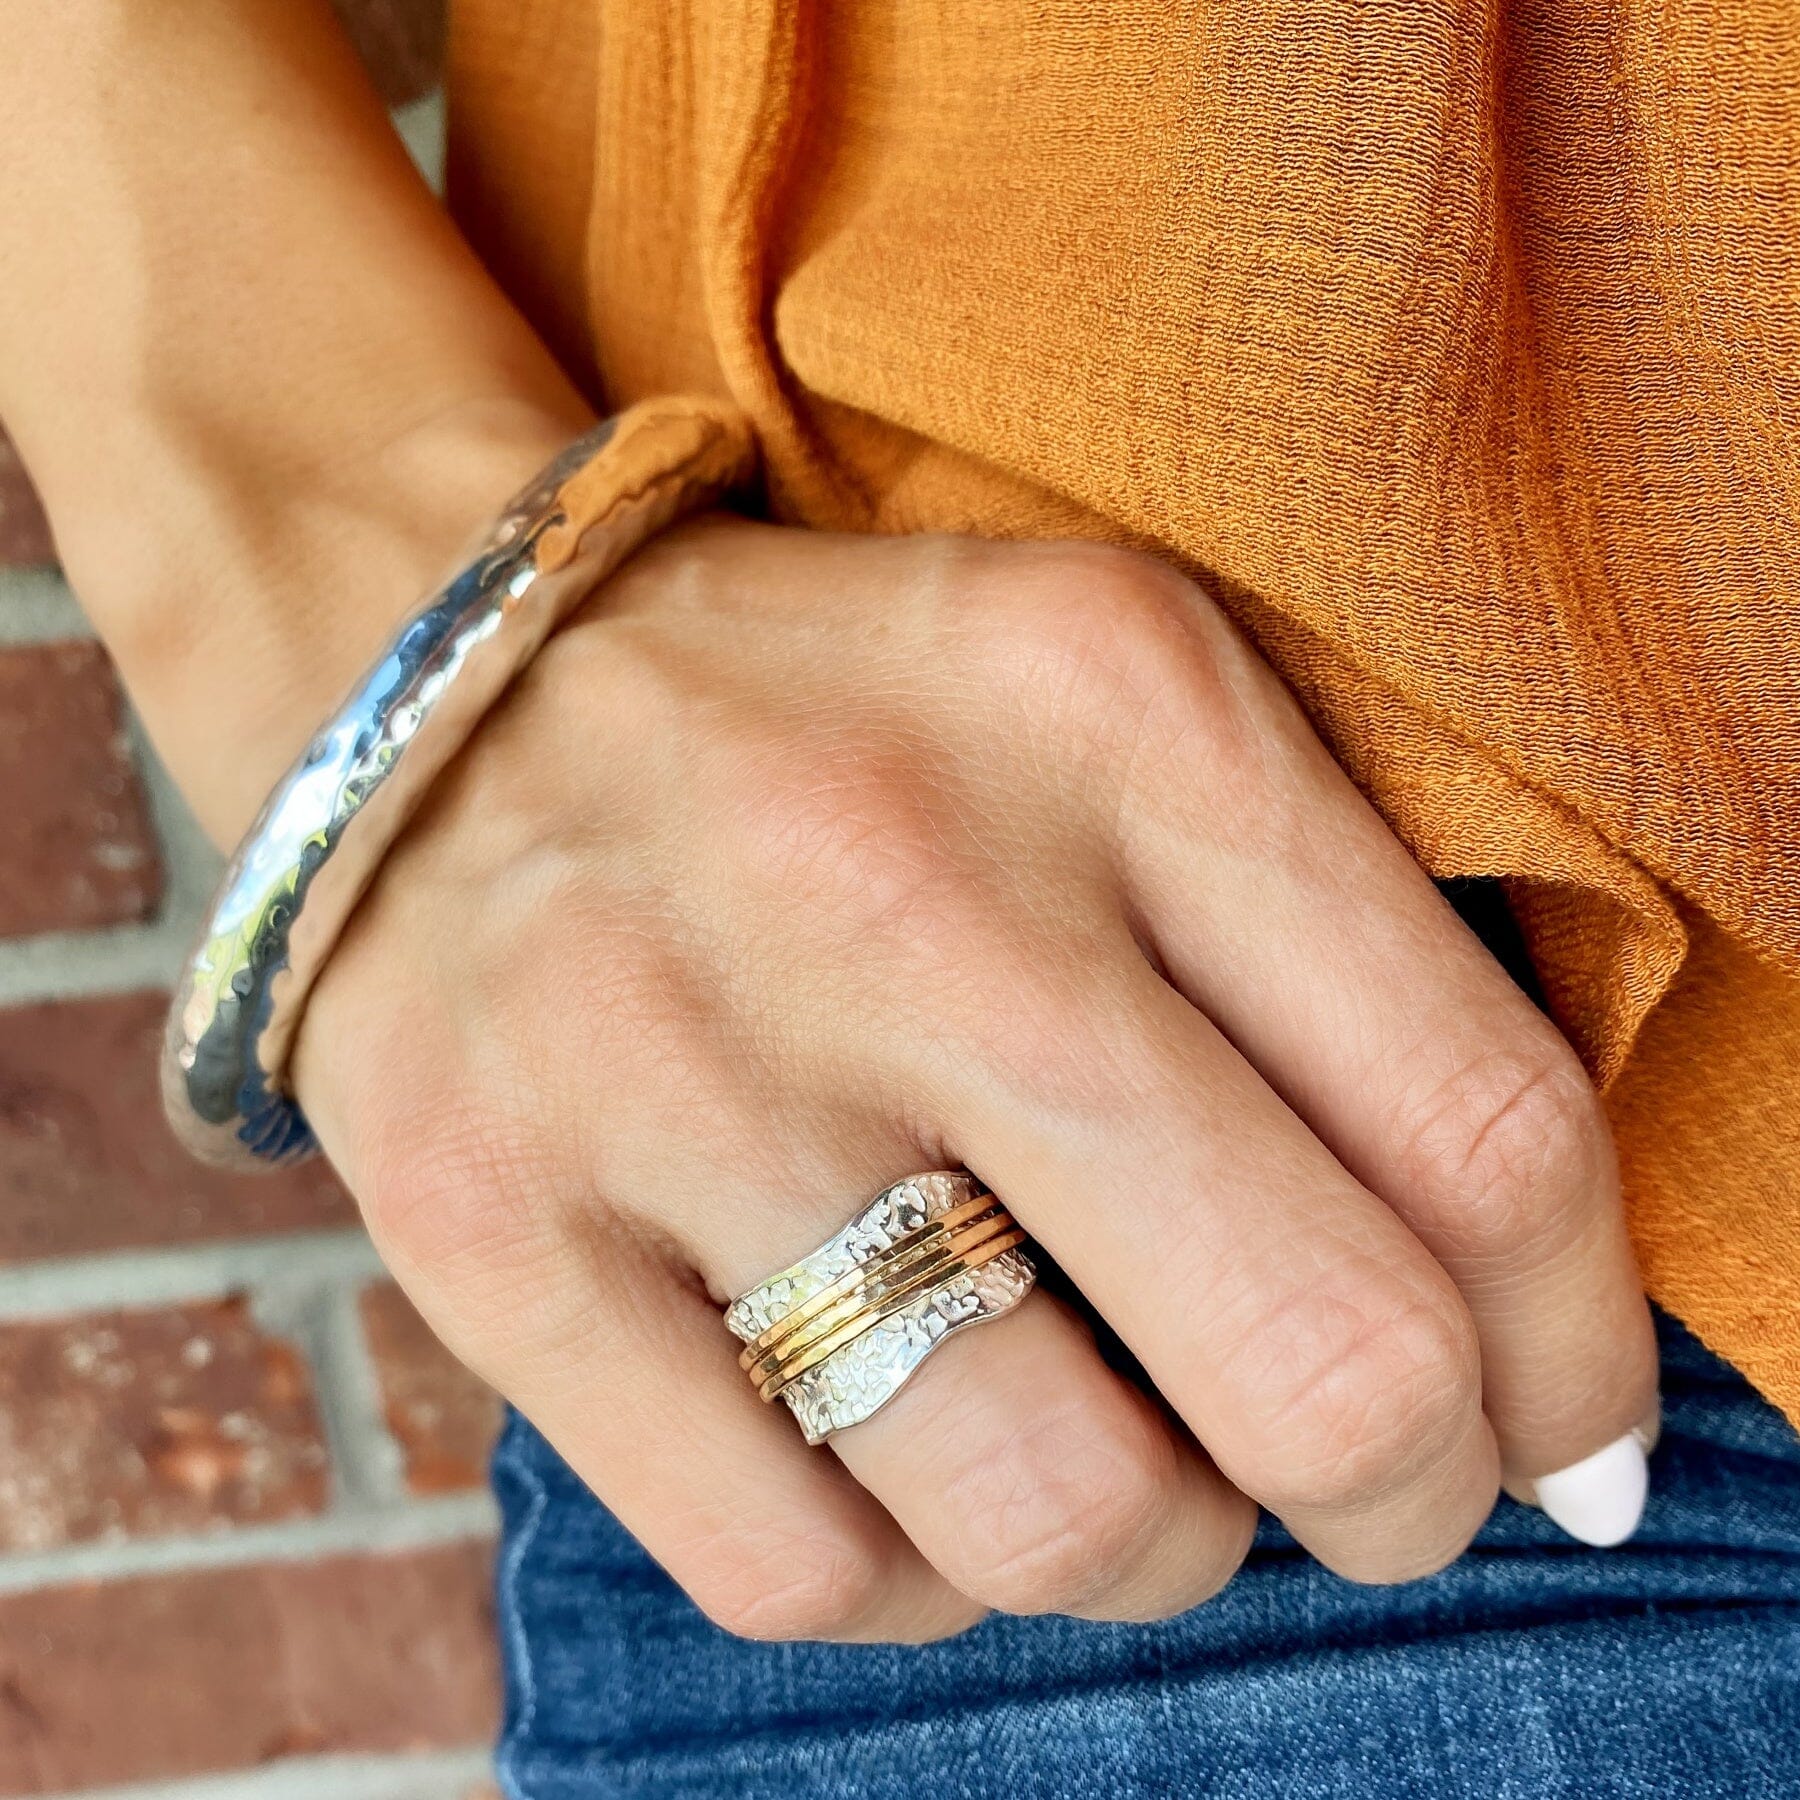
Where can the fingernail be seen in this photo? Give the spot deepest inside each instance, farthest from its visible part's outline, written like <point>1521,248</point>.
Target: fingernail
<point>1600,1499</point>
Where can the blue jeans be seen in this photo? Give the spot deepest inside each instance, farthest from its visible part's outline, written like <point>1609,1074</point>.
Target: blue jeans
<point>1532,1667</point>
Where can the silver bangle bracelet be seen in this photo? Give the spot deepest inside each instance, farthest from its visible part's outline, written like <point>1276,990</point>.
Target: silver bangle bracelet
<point>315,847</point>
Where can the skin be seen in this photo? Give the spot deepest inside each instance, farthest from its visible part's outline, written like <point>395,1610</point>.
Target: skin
<point>794,864</point>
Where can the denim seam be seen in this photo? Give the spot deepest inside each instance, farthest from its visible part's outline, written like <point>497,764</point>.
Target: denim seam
<point>512,1614</point>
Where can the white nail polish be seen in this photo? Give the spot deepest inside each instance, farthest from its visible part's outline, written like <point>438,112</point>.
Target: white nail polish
<point>1600,1499</point>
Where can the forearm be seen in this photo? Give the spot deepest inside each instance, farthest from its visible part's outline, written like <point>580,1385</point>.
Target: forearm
<point>263,387</point>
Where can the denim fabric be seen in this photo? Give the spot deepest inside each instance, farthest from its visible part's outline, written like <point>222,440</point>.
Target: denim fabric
<point>1532,1667</point>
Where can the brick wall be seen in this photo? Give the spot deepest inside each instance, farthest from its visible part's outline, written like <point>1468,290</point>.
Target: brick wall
<point>244,1535</point>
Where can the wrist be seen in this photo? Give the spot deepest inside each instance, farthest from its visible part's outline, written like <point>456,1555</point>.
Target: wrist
<point>242,606</point>
<point>329,823</point>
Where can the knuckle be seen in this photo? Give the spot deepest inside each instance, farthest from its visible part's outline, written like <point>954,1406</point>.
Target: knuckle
<point>487,1263</point>
<point>1217,1566</point>
<point>816,1588</point>
<point>1369,1397</point>
<point>1203,1574</point>
<point>1509,1153</point>
<point>1434,1536</point>
<point>1106,632</point>
<point>1061,1517</point>
<point>1398,1564</point>
<point>1125,657</point>
<point>454,1196</point>
<point>1068,1550</point>
<point>860,842</point>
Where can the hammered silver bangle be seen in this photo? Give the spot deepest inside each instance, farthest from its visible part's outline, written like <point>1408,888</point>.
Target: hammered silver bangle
<point>290,889</point>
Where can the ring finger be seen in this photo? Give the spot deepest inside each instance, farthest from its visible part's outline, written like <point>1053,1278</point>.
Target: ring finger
<point>1033,1477</point>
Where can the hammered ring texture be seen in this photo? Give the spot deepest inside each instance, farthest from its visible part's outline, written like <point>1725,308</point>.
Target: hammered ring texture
<point>840,1332</point>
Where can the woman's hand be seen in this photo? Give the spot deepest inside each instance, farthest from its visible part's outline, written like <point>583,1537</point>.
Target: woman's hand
<point>800,863</point>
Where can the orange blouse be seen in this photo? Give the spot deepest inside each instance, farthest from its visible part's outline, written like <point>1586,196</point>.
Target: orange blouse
<point>1455,349</point>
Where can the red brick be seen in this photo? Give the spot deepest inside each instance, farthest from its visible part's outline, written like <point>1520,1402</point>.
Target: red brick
<point>135,1424</point>
<point>443,1418</point>
<point>401,43</point>
<point>76,848</point>
<point>171,1676</point>
<point>88,1163</point>
<point>24,533</point>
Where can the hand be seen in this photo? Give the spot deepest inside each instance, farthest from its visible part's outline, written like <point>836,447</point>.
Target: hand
<point>799,863</point>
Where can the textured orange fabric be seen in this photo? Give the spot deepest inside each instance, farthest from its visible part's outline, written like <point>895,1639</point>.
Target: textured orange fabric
<point>1455,347</point>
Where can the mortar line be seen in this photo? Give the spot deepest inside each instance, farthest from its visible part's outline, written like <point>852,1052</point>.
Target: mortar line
<point>420,124</point>
<point>273,1268</point>
<point>367,1464</point>
<point>403,1775</point>
<point>36,607</point>
<point>192,863</point>
<point>128,958</point>
<point>345,1531</point>
<point>322,1317</point>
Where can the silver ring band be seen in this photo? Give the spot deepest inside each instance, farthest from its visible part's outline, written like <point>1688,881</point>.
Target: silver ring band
<point>839,1333</point>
